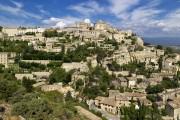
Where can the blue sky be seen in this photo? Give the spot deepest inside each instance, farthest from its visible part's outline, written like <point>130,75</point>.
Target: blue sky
<point>145,17</point>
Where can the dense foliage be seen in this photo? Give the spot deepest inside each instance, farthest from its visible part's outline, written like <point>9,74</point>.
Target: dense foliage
<point>30,33</point>
<point>53,33</point>
<point>30,54</point>
<point>1,28</point>
<point>12,46</point>
<point>60,75</point>
<point>32,66</point>
<point>140,113</point>
<point>154,89</point>
<point>138,68</point>
<point>97,83</point>
<point>34,104</point>
<point>166,83</point>
<point>114,66</point>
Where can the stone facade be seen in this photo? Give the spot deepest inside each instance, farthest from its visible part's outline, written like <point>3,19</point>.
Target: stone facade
<point>82,67</point>
<point>173,109</point>
<point>7,58</point>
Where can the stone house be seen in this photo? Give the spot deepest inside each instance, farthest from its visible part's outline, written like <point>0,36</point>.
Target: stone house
<point>120,81</point>
<point>119,37</point>
<point>10,31</point>
<point>109,105</point>
<point>37,76</point>
<point>169,94</point>
<point>132,82</point>
<point>154,80</point>
<point>116,100</point>
<point>1,35</point>
<point>7,58</point>
<point>44,62</point>
<point>100,25</point>
<point>60,88</point>
<point>82,66</point>
<point>92,60</point>
<point>26,75</point>
<point>97,101</point>
<point>173,109</point>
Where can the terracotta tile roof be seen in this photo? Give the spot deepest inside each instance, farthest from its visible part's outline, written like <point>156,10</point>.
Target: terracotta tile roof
<point>109,101</point>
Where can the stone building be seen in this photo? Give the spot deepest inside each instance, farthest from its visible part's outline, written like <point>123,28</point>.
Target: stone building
<point>82,66</point>
<point>21,31</point>
<point>116,100</point>
<point>169,94</point>
<point>4,59</point>
<point>60,88</point>
<point>44,62</point>
<point>100,25</point>
<point>7,58</point>
<point>173,108</point>
<point>10,31</point>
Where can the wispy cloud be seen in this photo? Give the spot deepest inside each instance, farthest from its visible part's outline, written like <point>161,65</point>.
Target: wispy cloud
<point>143,18</point>
<point>42,10</point>
<point>170,21</point>
<point>87,8</point>
<point>18,4</point>
<point>120,8</point>
<point>17,10</point>
<point>61,22</point>
<point>6,22</point>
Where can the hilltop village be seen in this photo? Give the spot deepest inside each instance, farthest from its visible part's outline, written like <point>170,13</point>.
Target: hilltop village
<point>62,74</point>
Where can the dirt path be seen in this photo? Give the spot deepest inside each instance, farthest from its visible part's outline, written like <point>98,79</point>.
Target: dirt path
<point>87,114</point>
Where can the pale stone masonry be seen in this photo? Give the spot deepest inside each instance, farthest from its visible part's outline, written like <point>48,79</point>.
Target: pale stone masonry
<point>82,67</point>
<point>173,108</point>
<point>7,58</point>
<point>4,59</point>
<point>115,100</point>
<point>59,88</point>
<point>21,31</point>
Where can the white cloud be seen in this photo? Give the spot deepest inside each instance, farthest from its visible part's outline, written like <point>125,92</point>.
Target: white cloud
<point>87,8</point>
<point>171,21</point>
<point>18,10</point>
<point>60,22</point>
<point>132,15</point>
<point>120,7</point>
<point>6,22</point>
<point>42,10</point>
<point>17,4</point>
<point>87,20</point>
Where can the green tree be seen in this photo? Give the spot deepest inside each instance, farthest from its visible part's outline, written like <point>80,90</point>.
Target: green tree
<point>140,113</point>
<point>30,33</point>
<point>38,109</point>
<point>168,50</point>
<point>159,47</point>
<point>167,83</point>
<point>50,33</point>
<point>131,113</point>
<point>2,68</point>
<point>28,84</point>
<point>68,96</point>
<point>7,88</point>
<point>1,28</point>
<point>58,75</point>
<point>53,65</point>
<point>160,62</point>
<point>154,89</point>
